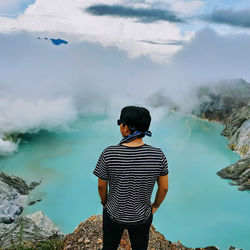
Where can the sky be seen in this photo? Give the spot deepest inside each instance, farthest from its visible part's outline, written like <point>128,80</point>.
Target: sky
<point>155,28</point>
<point>119,52</point>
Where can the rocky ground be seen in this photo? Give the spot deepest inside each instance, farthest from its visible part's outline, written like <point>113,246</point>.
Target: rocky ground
<point>228,102</point>
<point>88,235</point>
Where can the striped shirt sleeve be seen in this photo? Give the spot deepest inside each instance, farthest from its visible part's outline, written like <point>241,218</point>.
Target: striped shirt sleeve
<point>164,170</point>
<point>101,170</point>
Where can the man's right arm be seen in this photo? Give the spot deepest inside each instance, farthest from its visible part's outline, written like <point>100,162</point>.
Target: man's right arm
<point>161,192</point>
<point>102,189</point>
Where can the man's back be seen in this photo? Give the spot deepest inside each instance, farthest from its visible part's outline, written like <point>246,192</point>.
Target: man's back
<point>132,173</point>
<point>130,170</point>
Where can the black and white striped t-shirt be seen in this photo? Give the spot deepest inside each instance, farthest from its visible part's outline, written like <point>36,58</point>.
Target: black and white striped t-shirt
<point>131,173</point>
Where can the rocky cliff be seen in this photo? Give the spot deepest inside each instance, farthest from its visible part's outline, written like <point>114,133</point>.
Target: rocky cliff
<point>15,228</point>
<point>228,102</point>
<point>27,231</point>
<point>88,235</point>
<point>14,193</point>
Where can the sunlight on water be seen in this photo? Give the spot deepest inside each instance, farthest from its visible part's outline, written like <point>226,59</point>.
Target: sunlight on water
<point>201,209</point>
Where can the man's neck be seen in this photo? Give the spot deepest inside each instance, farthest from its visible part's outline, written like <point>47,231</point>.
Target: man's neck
<point>136,142</point>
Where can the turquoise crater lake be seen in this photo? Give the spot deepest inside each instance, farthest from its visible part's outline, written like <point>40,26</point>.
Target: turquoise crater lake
<point>200,209</point>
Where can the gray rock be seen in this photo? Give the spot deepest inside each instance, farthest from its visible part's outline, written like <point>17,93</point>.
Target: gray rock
<point>235,120</point>
<point>240,141</point>
<point>31,203</point>
<point>234,248</point>
<point>211,248</point>
<point>15,182</point>
<point>239,172</point>
<point>34,227</point>
<point>33,184</point>
<point>11,203</point>
<point>19,211</point>
<point>13,197</point>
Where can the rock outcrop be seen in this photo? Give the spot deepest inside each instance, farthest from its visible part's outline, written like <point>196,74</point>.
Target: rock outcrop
<point>237,129</point>
<point>12,137</point>
<point>15,228</point>
<point>228,102</point>
<point>16,183</point>
<point>35,227</point>
<point>218,101</point>
<point>88,235</point>
<point>14,193</point>
<point>238,172</point>
<point>11,203</point>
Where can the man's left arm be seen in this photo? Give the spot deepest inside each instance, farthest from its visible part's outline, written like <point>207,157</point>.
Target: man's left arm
<point>102,190</point>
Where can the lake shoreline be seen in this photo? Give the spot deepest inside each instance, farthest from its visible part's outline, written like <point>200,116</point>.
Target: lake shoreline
<point>233,120</point>
<point>231,108</point>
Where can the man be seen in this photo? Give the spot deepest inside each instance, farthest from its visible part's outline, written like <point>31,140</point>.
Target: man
<point>130,170</point>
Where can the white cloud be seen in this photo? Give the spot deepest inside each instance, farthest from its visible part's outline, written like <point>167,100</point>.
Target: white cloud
<point>180,6</point>
<point>21,116</point>
<point>69,17</point>
<point>186,8</point>
<point>7,147</point>
<point>102,80</point>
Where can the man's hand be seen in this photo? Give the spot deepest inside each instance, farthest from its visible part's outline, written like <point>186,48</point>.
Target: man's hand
<point>154,209</point>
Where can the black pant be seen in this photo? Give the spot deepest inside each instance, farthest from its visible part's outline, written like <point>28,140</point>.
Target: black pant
<point>112,233</point>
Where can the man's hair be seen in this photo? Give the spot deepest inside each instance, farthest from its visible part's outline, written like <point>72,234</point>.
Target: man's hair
<point>137,118</point>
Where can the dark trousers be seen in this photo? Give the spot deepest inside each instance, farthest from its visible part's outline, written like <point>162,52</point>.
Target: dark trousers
<point>112,233</point>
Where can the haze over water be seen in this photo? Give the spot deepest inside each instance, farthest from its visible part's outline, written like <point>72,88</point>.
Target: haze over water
<point>200,209</point>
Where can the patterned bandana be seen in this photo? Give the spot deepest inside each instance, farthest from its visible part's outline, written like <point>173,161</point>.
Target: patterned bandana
<point>133,136</point>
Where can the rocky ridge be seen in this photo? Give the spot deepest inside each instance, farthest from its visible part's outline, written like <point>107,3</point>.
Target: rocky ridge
<point>228,102</point>
<point>88,235</point>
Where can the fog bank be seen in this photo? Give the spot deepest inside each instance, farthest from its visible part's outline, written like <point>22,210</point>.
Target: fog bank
<point>48,86</point>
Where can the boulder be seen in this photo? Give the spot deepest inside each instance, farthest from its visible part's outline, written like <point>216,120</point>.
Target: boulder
<point>33,184</point>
